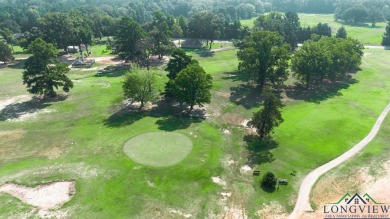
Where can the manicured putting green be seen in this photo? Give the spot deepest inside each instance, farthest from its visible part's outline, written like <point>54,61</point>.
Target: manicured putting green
<point>159,149</point>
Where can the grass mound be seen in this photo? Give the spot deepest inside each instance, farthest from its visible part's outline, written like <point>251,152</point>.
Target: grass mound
<point>159,149</point>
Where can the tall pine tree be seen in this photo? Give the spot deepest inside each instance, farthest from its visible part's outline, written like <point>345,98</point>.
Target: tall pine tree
<point>386,35</point>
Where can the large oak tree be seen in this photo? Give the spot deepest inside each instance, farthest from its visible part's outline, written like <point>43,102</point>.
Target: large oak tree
<point>192,86</point>
<point>265,56</point>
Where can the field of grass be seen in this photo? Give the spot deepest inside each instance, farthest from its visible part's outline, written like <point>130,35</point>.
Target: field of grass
<point>363,32</point>
<point>83,137</point>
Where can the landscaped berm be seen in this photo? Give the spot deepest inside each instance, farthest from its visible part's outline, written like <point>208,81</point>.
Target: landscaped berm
<point>158,149</point>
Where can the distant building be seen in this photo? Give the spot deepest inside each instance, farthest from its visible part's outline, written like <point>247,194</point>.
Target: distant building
<point>73,49</point>
<point>192,44</point>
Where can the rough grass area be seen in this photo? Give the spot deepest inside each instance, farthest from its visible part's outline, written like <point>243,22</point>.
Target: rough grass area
<point>369,173</point>
<point>83,137</point>
<point>363,32</point>
<point>158,149</point>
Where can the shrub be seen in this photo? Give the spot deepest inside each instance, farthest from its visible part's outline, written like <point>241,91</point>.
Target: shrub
<point>269,181</point>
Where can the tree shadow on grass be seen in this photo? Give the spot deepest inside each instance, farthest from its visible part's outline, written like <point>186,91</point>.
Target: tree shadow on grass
<point>17,110</point>
<point>17,64</point>
<point>171,116</point>
<point>202,52</point>
<point>318,93</point>
<point>259,150</point>
<point>172,122</point>
<point>268,189</point>
<point>248,95</point>
<point>236,76</point>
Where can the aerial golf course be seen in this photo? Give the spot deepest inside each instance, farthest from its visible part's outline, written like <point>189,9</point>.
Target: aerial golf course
<point>155,163</point>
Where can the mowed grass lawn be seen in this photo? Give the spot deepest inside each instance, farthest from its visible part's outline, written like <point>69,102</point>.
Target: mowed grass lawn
<point>83,137</point>
<point>363,32</point>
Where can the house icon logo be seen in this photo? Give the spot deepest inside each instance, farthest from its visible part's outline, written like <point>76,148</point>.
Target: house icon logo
<point>357,206</point>
<point>356,199</point>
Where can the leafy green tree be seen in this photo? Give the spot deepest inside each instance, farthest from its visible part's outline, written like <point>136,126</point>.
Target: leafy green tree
<point>341,33</point>
<point>205,25</point>
<point>160,34</point>
<point>57,28</point>
<point>266,119</point>
<point>5,53</point>
<point>375,10</point>
<point>326,58</point>
<point>265,56</point>
<point>322,29</point>
<point>140,85</point>
<point>386,35</point>
<point>128,38</point>
<point>355,14</point>
<point>192,86</point>
<point>179,60</point>
<point>42,73</point>
<point>269,181</point>
<point>287,25</point>
<point>311,62</point>
<point>183,23</point>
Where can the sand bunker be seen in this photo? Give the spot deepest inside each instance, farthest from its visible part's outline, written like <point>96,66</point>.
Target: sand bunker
<point>218,180</point>
<point>45,197</point>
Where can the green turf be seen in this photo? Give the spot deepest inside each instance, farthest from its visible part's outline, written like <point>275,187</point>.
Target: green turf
<point>158,149</point>
<point>363,32</point>
<point>83,139</point>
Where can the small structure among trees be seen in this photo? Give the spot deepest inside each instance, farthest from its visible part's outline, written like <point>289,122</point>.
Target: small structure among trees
<point>192,44</point>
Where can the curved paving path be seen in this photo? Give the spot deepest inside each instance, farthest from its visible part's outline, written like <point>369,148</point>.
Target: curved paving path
<point>303,203</point>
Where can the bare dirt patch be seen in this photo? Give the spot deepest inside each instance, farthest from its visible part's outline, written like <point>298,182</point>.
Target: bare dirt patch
<point>218,180</point>
<point>379,188</point>
<point>110,60</point>
<point>235,213</point>
<point>274,210</point>
<point>45,197</point>
<point>16,99</point>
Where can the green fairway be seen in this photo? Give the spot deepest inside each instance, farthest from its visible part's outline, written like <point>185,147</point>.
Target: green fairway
<point>158,149</point>
<point>364,32</point>
<point>82,137</point>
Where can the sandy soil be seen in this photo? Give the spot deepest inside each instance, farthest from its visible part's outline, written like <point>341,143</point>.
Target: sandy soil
<point>48,196</point>
<point>12,100</point>
<point>109,60</point>
<point>218,180</point>
<point>272,211</point>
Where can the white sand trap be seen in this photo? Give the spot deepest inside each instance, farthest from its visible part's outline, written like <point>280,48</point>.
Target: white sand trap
<point>226,132</point>
<point>245,123</point>
<point>225,195</point>
<point>218,181</point>
<point>245,169</point>
<point>180,213</point>
<point>45,197</point>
